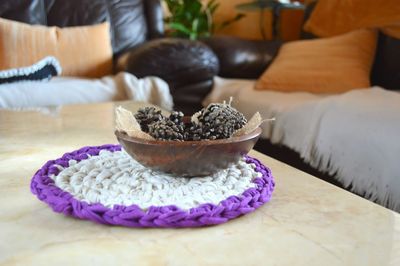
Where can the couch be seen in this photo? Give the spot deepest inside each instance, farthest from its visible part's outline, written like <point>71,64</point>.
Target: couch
<point>132,22</point>
<point>137,30</point>
<point>367,129</point>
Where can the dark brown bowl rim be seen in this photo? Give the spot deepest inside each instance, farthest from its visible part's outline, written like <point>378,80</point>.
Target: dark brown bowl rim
<point>255,133</point>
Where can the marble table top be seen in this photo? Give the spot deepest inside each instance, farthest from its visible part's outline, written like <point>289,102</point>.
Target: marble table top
<point>307,222</point>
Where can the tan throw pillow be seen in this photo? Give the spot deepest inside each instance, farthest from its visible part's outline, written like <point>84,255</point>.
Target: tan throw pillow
<point>334,17</point>
<point>82,51</point>
<point>329,65</point>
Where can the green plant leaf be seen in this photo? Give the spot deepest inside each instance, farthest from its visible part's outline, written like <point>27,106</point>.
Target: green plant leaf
<point>172,5</point>
<point>193,7</point>
<point>203,24</point>
<point>195,25</point>
<point>194,31</point>
<point>180,27</point>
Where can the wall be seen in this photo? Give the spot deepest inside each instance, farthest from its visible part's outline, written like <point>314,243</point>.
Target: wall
<point>249,27</point>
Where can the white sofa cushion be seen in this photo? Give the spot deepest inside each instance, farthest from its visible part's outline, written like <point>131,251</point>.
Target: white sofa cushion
<point>68,90</point>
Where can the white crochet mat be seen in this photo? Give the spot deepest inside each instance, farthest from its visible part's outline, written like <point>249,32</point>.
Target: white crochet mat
<point>115,178</point>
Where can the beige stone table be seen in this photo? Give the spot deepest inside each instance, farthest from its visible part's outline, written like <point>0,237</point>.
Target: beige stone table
<point>307,222</point>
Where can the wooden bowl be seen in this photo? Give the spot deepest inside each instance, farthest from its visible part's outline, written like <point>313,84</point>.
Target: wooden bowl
<point>188,158</point>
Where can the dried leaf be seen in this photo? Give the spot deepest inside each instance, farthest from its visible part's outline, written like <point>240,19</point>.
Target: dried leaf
<point>254,122</point>
<point>126,122</point>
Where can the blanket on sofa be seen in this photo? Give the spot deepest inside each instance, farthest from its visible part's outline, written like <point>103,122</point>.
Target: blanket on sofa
<point>70,90</point>
<point>352,135</point>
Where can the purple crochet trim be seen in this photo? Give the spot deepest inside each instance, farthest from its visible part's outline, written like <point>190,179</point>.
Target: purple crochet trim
<point>133,216</point>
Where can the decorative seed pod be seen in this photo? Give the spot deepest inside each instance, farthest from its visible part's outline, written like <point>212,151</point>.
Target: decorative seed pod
<point>193,132</point>
<point>216,121</point>
<point>219,121</point>
<point>166,130</point>
<point>176,117</point>
<point>148,115</point>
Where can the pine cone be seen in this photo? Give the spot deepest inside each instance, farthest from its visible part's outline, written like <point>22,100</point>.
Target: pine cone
<point>148,115</point>
<point>220,121</point>
<point>166,130</point>
<point>193,132</point>
<point>176,117</point>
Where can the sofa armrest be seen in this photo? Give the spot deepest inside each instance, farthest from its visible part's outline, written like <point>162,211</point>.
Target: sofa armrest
<point>239,58</point>
<point>154,17</point>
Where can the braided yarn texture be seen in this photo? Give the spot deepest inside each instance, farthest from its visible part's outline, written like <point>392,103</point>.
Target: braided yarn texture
<point>155,216</point>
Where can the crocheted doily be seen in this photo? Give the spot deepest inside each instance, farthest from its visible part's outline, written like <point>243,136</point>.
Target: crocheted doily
<point>105,185</point>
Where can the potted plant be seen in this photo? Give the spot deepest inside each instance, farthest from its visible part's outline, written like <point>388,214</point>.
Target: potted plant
<point>192,19</point>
